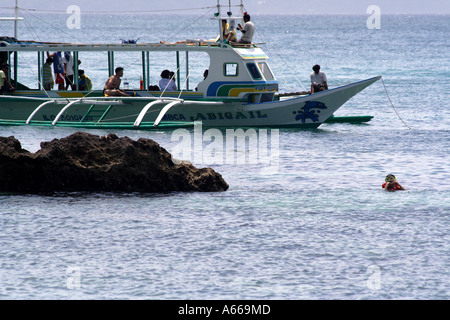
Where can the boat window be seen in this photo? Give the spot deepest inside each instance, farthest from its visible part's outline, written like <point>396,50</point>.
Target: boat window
<point>266,71</point>
<point>254,71</point>
<point>230,69</point>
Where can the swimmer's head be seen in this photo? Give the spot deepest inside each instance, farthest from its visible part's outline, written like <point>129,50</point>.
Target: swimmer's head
<point>390,178</point>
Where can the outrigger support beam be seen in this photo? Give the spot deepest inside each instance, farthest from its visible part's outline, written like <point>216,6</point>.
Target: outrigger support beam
<point>93,102</point>
<point>144,110</point>
<point>64,110</point>
<point>81,101</point>
<point>164,110</point>
<point>37,109</point>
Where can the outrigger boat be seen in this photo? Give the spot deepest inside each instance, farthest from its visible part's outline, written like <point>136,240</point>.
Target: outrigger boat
<point>240,91</point>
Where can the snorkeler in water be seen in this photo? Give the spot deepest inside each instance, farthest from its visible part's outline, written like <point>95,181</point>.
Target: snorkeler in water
<point>391,183</point>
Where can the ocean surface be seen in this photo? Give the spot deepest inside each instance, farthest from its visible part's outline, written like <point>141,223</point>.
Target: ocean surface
<point>313,223</point>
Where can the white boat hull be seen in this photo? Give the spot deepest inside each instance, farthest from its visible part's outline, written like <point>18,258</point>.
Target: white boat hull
<point>304,111</point>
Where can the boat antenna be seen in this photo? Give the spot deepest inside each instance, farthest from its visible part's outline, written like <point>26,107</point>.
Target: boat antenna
<point>220,22</point>
<point>242,9</point>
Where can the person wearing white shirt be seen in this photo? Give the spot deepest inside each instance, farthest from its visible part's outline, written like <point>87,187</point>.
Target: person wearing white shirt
<point>68,68</point>
<point>318,80</point>
<point>166,83</point>
<point>247,30</point>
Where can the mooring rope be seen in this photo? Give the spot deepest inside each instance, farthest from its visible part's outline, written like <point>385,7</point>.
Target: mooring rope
<point>390,100</point>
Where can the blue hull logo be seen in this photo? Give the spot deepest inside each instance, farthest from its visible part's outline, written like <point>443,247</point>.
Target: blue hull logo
<point>309,111</point>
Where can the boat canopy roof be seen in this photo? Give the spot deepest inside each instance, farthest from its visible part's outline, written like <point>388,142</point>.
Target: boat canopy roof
<point>189,45</point>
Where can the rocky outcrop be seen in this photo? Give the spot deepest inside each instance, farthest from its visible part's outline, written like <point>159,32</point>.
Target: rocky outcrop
<point>86,162</point>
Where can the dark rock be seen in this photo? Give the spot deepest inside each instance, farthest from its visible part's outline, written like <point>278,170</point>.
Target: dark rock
<point>86,162</point>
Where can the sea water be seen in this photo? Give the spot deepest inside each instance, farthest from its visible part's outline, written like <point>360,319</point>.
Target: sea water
<point>314,226</point>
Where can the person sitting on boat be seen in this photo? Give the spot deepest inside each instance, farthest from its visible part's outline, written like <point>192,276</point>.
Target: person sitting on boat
<point>391,183</point>
<point>231,32</point>
<point>166,83</point>
<point>172,77</point>
<point>84,82</point>
<point>205,75</point>
<point>112,85</point>
<point>48,75</point>
<point>58,68</point>
<point>5,84</point>
<point>318,80</point>
<point>228,33</point>
<point>247,30</point>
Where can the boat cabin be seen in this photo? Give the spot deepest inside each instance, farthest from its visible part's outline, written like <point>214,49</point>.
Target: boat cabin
<point>234,72</point>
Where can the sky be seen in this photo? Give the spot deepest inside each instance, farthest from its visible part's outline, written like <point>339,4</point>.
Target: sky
<point>252,6</point>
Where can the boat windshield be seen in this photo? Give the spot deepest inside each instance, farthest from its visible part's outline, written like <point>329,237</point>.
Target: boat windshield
<point>266,71</point>
<point>254,71</point>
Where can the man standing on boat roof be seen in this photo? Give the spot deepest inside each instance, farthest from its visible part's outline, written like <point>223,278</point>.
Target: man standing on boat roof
<point>247,30</point>
<point>318,80</point>
<point>112,85</point>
